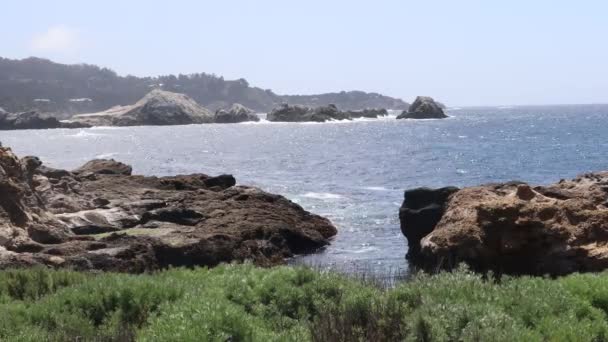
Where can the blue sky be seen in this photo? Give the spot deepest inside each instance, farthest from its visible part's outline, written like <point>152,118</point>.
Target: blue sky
<point>461,52</point>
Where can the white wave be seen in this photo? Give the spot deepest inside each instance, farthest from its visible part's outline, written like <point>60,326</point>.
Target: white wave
<point>85,134</point>
<point>105,155</point>
<point>358,251</point>
<point>322,195</point>
<point>462,172</point>
<point>376,188</point>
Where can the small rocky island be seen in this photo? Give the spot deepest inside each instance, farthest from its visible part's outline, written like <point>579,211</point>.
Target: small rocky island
<point>101,217</point>
<point>287,113</point>
<point>235,114</point>
<point>424,107</point>
<point>157,108</point>
<point>33,120</point>
<point>512,228</point>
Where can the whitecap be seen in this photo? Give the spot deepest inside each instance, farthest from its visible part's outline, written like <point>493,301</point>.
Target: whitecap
<point>85,134</point>
<point>322,195</point>
<point>376,188</point>
<point>105,155</point>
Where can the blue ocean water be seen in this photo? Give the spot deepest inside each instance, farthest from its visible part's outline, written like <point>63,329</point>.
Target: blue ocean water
<point>352,172</point>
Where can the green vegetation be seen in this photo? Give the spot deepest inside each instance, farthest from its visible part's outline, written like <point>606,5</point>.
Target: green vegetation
<point>245,303</point>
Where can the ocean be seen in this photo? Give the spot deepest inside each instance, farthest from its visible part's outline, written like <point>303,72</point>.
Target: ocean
<point>352,172</point>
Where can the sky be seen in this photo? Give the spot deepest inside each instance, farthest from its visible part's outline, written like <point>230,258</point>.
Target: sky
<point>463,53</point>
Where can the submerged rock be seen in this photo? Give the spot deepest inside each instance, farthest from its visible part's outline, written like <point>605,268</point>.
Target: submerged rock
<point>100,217</point>
<point>424,107</point>
<point>511,228</point>
<point>157,108</point>
<point>287,113</point>
<point>235,114</point>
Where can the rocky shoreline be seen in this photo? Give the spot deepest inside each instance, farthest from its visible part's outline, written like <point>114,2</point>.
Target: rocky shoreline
<point>511,228</point>
<point>101,217</point>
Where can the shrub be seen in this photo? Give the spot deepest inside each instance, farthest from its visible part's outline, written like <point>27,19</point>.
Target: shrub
<point>246,303</point>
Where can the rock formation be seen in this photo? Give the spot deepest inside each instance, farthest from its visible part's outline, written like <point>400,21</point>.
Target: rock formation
<point>236,113</point>
<point>424,107</point>
<point>157,108</point>
<point>371,113</point>
<point>32,120</point>
<point>100,217</point>
<point>287,113</point>
<point>511,228</point>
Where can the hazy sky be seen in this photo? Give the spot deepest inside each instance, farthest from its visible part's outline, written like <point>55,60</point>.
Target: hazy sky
<point>459,51</point>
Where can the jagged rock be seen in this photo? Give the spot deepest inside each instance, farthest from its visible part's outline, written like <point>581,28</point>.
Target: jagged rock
<point>157,108</point>
<point>287,113</point>
<point>236,113</point>
<point>514,228</point>
<point>421,211</point>
<point>424,107</point>
<point>100,217</point>
<point>368,113</point>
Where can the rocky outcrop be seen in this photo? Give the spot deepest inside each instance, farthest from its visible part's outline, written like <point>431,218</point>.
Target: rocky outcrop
<point>370,113</point>
<point>511,228</point>
<point>421,211</point>
<point>100,217</point>
<point>157,108</point>
<point>235,114</point>
<point>32,120</point>
<point>287,113</point>
<point>424,107</point>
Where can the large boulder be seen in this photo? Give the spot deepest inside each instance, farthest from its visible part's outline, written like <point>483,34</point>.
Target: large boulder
<point>287,113</point>
<point>424,107</point>
<point>157,108</point>
<point>235,114</point>
<point>514,228</point>
<point>99,217</point>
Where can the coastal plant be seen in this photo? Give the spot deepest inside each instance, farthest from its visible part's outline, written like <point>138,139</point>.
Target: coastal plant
<point>247,303</point>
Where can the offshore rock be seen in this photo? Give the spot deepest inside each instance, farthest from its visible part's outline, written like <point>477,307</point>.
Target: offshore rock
<point>424,107</point>
<point>157,108</point>
<point>235,114</point>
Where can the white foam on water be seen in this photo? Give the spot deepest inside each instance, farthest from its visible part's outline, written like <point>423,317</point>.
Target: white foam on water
<point>105,155</point>
<point>322,195</point>
<point>376,188</point>
<point>85,134</point>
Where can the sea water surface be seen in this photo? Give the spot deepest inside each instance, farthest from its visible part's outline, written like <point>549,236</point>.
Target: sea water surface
<point>355,172</point>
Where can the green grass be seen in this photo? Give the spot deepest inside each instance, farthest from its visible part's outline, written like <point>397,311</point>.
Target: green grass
<point>246,303</point>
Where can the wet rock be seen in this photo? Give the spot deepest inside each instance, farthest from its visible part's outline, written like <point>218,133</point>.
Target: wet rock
<point>421,211</point>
